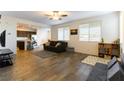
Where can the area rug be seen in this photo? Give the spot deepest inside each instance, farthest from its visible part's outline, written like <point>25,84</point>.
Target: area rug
<point>44,54</point>
<point>92,60</point>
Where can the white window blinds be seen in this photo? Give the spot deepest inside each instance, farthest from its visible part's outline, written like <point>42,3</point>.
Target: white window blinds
<point>90,32</point>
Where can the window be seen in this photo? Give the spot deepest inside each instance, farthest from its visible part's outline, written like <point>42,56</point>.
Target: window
<point>84,32</point>
<point>90,32</point>
<point>63,33</point>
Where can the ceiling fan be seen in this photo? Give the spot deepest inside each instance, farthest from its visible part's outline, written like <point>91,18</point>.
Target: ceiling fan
<point>56,15</point>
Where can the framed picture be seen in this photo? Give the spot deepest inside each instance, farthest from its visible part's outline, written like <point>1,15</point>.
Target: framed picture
<point>74,31</point>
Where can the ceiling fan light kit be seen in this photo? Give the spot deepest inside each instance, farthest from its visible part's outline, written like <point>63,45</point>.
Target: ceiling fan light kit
<point>56,15</point>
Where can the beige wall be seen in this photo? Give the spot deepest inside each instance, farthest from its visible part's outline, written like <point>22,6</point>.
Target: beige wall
<point>110,32</point>
<point>43,35</point>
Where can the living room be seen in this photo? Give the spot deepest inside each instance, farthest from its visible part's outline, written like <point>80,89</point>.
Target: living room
<point>109,26</point>
<point>74,35</point>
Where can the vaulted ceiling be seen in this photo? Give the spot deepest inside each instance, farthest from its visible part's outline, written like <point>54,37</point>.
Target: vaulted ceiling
<point>38,16</point>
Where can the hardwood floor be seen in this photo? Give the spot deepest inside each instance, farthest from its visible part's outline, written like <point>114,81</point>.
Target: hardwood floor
<point>64,66</point>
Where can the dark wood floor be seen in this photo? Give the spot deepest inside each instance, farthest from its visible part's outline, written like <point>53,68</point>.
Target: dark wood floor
<point>64,66</point>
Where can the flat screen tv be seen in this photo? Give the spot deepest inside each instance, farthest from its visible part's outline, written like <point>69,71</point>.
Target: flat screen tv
<point>3,38</point>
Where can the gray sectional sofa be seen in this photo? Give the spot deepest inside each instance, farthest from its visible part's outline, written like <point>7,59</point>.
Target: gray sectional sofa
<point>113,71</point>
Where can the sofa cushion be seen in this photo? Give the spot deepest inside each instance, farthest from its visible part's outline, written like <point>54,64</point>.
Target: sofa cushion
<point>115,73</point>
<point>112,62</point>
<point>53,43</point>
<point>51,47</point>
<point>98,73</point>
<point>101,66</point>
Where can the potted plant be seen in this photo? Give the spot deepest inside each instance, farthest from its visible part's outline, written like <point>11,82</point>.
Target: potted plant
<point>102,40</point>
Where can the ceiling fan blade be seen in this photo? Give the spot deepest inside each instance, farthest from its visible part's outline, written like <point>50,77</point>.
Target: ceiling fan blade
<point>64,15</point>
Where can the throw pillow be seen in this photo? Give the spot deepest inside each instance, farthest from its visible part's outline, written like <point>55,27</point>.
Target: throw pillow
<point>48,43</point>
<point>58,44</point>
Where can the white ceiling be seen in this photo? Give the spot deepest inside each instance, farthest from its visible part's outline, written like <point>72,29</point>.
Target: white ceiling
<point>38,16</point>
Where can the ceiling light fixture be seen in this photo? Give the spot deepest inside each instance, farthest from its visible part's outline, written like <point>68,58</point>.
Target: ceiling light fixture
<point>56,15</point>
